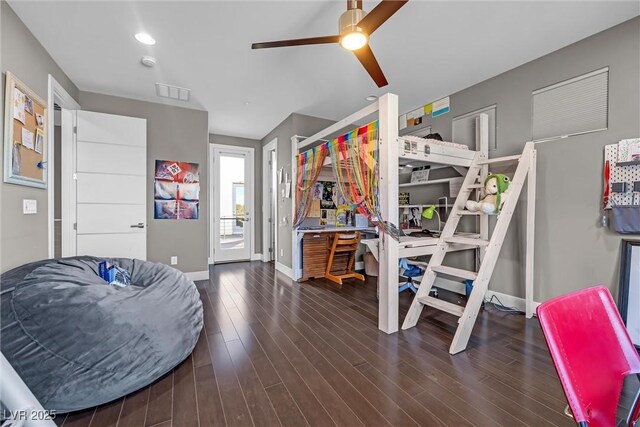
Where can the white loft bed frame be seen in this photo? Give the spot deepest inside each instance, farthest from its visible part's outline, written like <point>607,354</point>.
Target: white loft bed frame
<point>391,149</point>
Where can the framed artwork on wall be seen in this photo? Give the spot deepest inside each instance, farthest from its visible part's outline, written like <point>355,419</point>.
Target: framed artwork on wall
<point>25,135</point>
<point>629,293</point>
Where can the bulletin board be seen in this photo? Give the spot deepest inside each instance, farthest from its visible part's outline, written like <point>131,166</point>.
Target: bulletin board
<point>25,137</point>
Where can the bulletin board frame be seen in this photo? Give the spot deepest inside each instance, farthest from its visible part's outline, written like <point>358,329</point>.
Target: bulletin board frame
<point>24,164</point>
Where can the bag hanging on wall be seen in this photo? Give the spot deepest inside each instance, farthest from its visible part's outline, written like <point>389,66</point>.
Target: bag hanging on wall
<point>626,219</point>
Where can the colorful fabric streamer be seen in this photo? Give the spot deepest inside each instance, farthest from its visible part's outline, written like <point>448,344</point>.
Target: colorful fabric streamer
<point>354,159</point>
<point>310,164</point>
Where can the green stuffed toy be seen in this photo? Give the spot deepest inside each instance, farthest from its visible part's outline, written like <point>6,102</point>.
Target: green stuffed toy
<point>496,188</point>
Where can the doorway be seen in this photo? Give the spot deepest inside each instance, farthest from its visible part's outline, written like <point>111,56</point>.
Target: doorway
<point>61,110</point>
<point>269,205</point>
<point>232,203</point>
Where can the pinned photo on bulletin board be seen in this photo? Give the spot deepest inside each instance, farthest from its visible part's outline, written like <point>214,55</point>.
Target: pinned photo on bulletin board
<point>25,138</point>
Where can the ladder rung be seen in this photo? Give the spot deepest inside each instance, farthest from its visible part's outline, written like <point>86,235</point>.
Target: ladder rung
<point>457,272</point>
<point>475,186</point>
<point>467,241</point>
<point>499,160</point>
<point>449,307</point>
<point>469,213</point>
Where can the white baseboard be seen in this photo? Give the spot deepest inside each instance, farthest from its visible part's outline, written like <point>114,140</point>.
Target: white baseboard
<point>256,257</point>
<point>210,261</point>
<point>284,269</point>
<point>198,275</point>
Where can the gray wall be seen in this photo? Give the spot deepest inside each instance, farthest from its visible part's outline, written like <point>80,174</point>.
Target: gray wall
<point>295,124</point>
<point>573,250</point>
<point>258,178</point>
<point>24,237</point>
<point>173,133</point>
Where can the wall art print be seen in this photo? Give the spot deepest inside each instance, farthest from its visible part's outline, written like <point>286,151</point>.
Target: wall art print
<point>176,190</point>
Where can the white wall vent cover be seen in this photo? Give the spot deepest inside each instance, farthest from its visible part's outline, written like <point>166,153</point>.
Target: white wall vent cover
<point>172,92</point>
<point>571,107</point>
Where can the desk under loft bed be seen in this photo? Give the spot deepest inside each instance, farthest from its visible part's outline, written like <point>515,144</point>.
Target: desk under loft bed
<point>394,151</point>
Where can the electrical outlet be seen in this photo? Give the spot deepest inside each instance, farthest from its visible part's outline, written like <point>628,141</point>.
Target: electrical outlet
<point>174,260</point>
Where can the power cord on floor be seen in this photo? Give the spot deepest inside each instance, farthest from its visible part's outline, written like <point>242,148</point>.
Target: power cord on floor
<point>499,306</point>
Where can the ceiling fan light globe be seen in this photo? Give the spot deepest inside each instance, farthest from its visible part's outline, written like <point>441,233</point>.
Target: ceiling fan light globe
<point>354,40</point>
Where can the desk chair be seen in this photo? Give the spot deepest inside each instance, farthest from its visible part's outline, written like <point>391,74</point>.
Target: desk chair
<point>347,244</point>
<point>592,353</point>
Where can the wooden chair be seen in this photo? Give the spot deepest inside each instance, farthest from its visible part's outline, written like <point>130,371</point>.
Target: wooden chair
<point>343,244</point>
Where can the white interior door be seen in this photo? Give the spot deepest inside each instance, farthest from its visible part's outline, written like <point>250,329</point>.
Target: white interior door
<point>232,185</point>
<point>110,184</point>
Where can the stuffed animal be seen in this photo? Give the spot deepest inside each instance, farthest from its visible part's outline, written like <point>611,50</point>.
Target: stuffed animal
<point>496,188</point>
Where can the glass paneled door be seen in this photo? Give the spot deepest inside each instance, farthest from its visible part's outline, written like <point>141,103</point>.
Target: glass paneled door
<point>232,219</point>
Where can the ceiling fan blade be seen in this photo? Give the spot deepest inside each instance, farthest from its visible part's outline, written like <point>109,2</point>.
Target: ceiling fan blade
<point>368,60</point>
<point>379,14</point>
<point>297,42</point>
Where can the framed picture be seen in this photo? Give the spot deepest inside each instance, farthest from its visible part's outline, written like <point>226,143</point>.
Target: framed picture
<point>629,293</point>
<point>25,139</point>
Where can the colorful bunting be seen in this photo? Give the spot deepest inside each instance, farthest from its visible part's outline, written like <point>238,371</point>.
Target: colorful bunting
<point>354,159</point>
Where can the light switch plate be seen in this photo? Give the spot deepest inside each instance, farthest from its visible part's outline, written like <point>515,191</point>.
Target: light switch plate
<point>29,206</point>
<point>174,260</point>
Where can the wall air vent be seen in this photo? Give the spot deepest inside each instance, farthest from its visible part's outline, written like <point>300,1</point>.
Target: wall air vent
<point>172,92</point>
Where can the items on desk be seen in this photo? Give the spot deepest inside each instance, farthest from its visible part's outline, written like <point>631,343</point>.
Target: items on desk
<point>361,221</point>
<point>327,217</point>
<point>427,213</point>
<point>414,219</point>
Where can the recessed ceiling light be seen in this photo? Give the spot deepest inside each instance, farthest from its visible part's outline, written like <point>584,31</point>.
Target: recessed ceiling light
<point>246,103</point>
<point>145,38</point>
<point>371,98</point>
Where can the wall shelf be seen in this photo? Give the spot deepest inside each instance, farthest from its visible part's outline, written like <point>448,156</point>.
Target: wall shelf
<point>435,181</point>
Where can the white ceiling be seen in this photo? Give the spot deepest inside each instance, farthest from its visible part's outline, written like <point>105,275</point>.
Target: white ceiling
<point>429,49</point>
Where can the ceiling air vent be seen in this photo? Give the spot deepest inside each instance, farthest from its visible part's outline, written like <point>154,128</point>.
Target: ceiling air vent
<point>172,92</point>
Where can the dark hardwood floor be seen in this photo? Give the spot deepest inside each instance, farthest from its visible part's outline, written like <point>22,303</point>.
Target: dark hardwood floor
<point>275,352</point>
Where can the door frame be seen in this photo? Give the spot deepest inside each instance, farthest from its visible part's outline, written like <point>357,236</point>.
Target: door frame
<point>248,200</point>
<point>267,182</point>
<point>58,95</point>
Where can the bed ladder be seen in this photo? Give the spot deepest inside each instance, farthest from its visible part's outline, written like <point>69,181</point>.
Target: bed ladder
<point>489,247</point>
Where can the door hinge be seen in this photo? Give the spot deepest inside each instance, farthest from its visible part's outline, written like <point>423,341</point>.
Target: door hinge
<point>75,130</point>
<point>75,225</point>
<point>270,249</point>
<point>75,176</point>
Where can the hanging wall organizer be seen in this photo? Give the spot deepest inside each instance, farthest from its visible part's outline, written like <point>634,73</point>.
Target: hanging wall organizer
<point>622,188</point>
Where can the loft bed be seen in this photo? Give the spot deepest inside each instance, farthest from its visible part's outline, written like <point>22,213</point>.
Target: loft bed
<point>380,202</point>
<point>394,151</point>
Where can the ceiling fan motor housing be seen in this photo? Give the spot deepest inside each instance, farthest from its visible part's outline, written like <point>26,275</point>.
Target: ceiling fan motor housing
<point>348,22</point>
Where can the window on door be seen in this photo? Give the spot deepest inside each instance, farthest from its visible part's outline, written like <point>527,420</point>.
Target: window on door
<point>232,190</point>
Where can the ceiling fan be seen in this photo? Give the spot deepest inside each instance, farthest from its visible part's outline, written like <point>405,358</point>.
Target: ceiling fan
<point>355,26</point>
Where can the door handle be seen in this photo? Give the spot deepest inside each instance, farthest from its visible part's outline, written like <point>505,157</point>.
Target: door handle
<point>138,225</point>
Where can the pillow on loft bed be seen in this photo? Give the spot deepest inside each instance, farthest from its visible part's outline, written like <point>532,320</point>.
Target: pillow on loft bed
<point>79,342</point>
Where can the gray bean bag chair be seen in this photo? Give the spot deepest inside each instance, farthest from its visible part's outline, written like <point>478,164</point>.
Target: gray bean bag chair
<point>78,342</point>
